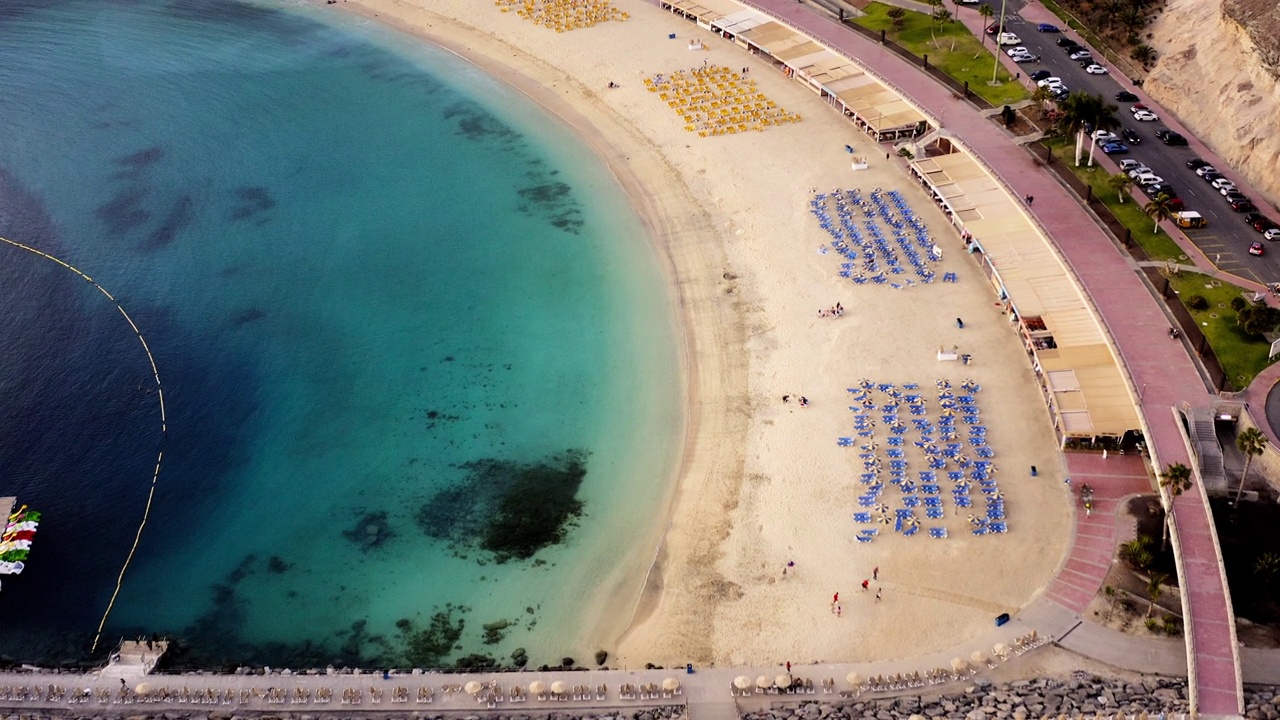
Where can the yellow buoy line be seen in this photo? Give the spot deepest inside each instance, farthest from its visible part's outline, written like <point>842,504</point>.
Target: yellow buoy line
<point>164,431</point>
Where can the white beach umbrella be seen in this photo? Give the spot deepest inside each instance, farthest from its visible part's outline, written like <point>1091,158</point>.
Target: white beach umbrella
<point>142,688</point>
<point>558,687</point>
<point>742,682</point>
<point>671,684</point>
<point>473,687</point>
<point>853,679</point>
<point>957,664</point>
<point>537,687</point>
<point>978,657</point>
<point>763,682</point>
<point>1001,649</point>
<point>783,681</point>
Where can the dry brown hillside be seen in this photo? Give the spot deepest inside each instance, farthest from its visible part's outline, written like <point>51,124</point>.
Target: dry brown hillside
<point>1222,83</point>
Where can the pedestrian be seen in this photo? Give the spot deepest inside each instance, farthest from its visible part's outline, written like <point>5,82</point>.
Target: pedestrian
<point>1031,199</point>
<point>839,612</point>
<point>865,584</point>
<point>875,573</point>
<point>835,599</point>
<point>788,666</point>
<point>878,595</point>
<point>886,156</point>
<point>804,401</point>
<point>786,398</point>
<point>959,323</point>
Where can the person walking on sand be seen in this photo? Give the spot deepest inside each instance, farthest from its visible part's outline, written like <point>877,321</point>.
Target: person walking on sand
<point>788,666</point>
<point>878,591</point>
<point>866,584</point>
<point>875,573</point>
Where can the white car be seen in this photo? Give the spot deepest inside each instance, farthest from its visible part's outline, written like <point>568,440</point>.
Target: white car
<point>1009,39</point>
<point>1227,189</point>
<point>1102,137</point>
<point>1134,172</point>
<point>1129,163</point>
<point>1096,69</point>
<point>1272,234</point>
<point>1148,179</point>
<point>1221,183</point>
<point>1049,82</point>
<point>1145,116</point>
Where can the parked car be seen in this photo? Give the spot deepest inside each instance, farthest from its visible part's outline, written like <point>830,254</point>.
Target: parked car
<point>1059,93</point>
<point>1196,163</point>
<point>1221,183</point>
<point>1104,136</point>
<point>1009,39</point>
<point>1173,138</point>
<point>1176,204</point>
<point>1158,189</point>
<point>1066,42</point>
<point>1229,189</point>
<point>993,28</point>
<point>1126,96</point>
<point>1095,69</point>
<point>1039,75</point>
<point>1255,248</point>
<point>1205,168</point>
<point>1081,55</point>
<point>1147,178</point>
<point>1129,164</point>
<point>1271,235</point>
<point>1113,148</point>
<point>1046,27</point>
<point>1211,177</point>
<point>1145,116</point>
<point>1137,170</point>
<point>1265,224</point>
<point>1245,205</point>
<point>1130,136</point>
<point>1189,219</point>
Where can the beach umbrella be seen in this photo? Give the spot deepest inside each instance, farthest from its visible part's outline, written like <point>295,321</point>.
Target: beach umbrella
<point>473,687</point>
<point>742,682</point>
<point>558,687</point>
<point>763,683</point>
<point>853,679</point>
<point>978,657</point>
<point>783,681</point>
<point>1001,649</point>
<point>537,687</point>
<point>671,684</point>
<point>143,688</point>
<point>958,665</point>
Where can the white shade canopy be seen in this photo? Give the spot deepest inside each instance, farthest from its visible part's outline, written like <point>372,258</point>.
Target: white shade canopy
<point>558,687</point>
<point>142,688</point>
<point>853,678</point>
<point>473,687</point>
<point>671,684</point>
<point>978,657</point>
<point>742,682</point>
<point>957,664</point>
<point>783,681</point>
<point>763,682</point>
<point>537,687</point>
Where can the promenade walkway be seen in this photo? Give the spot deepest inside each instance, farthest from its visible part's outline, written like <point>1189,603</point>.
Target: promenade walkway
<point>1163,375</point>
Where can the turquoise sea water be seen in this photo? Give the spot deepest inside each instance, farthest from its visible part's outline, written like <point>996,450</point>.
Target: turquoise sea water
<point>361,264</point>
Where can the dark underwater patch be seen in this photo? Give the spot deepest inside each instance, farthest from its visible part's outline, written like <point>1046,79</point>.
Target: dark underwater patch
<point>253,201</point>
<point>125,211</point>
<point>554,202</point>
<point>180,216</point>
<point>476,124</point>
<point>506,509</point>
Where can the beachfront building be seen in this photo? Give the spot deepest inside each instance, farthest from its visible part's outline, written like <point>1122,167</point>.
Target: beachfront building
<point>869,103</point>
<point>1083,381</point>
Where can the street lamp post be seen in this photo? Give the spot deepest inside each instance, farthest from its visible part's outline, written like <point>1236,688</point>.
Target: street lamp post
<point>995,70</point>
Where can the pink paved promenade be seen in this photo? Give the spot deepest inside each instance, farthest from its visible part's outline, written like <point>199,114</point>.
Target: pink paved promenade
<point>1094,545</point>
<point>1160,369</point>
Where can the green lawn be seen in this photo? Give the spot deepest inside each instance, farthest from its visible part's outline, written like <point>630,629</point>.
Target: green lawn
<point>1242,356</point>
<point>1158,245</point>
<point>957,52</point>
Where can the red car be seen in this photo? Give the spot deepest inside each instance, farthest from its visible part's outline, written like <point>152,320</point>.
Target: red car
<point>1255,248</point>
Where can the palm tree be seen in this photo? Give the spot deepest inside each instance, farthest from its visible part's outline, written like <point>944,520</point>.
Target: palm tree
<point>985,12</point>
<point>1078,109</point>
<point>897,15</point>
<point>1040,96</point>
<point>1251,442</point>
<point>1154,591</point>
<point>1267,566</point>
<point>1120,182</point>
<point>1159,209</point>
<point>1104,120</point>
<point>933,16</point>
<point>1143,54</point>
<point>1175,479</point>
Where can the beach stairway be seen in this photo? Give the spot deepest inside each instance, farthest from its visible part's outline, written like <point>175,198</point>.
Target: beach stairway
<point>1208,451</point>
<point>917,146</point>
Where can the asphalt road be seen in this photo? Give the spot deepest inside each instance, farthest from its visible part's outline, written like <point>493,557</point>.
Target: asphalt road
<point>1226,239</point>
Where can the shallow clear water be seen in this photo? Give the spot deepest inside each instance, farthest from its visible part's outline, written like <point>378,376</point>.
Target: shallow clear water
<point>360,264</point>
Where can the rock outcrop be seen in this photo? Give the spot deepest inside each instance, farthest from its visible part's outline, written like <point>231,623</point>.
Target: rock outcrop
<point>1223,85</point>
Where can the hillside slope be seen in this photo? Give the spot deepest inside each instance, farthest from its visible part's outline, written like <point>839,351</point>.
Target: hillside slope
<point>1222,84</point>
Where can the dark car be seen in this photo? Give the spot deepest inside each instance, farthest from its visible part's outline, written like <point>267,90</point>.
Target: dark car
<point>1130,136</point>
<point>1155,190</point>
<point>1212,175</point>
<point>993,28</point>
<point>1039,75</point>
<point>1176,204</point>
<point>1234,195</point>
<point>1263,224</point>
<point>1067,42</point>
<point>1126,96</point>
<point>1046,27</point>
<point>1113,148</point>
<point>1196,163</point>
<point>1172,138</point>
<point>1244,205</point>
<point>1060,95</point>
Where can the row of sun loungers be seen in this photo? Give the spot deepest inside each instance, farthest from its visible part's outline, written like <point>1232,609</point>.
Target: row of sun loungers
<point>963,463</point>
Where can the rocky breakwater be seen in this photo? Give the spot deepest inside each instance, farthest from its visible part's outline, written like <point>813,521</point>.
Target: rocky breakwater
<point>983,700</point>
<point>1262,703</point>
<point>666,712</point>
<point>1222,84</point>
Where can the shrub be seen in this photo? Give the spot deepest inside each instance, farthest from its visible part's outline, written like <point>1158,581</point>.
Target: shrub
<point>1238,303</point>
<point>1197,302</point>
<point>1154,624</point>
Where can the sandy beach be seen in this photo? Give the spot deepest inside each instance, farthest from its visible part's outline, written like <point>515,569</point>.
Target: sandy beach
<point>762,483</point>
